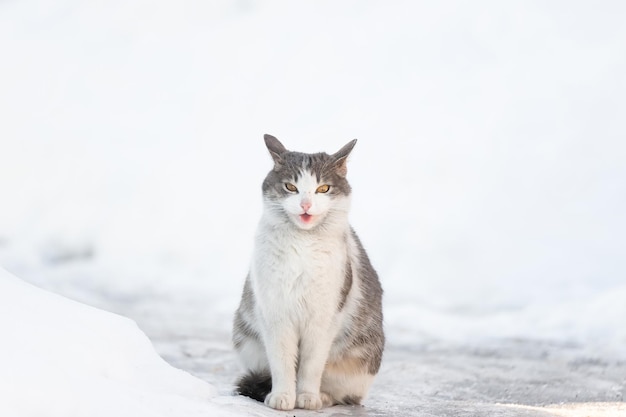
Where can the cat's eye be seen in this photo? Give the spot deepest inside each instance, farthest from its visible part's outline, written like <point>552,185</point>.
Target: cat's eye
<point>323,188</point>
<point>291,187</point>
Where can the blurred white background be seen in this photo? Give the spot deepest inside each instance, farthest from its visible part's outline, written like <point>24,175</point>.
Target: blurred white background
<point>489,178</point>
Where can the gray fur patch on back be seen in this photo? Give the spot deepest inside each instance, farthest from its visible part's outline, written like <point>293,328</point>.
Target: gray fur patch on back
<point>242,330</point>
<point>367,330</point>
<point>347,286</point>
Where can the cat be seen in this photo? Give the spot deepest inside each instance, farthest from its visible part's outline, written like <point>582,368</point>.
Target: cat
<point>309,327</point>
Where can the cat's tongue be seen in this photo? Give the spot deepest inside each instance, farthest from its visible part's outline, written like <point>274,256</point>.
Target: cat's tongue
<point>306,217</point>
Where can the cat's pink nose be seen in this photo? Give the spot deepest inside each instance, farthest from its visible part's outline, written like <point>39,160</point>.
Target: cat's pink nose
<point>306,205</point>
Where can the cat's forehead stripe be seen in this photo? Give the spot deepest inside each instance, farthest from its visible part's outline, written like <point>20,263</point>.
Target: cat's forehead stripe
<point>307,169</point>
<point>304,164</point>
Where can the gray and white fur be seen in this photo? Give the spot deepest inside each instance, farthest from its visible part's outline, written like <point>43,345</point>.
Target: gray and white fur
<point>308,330</point>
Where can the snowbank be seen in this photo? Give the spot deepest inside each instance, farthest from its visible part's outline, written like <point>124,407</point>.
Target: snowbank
<point>62,358</point>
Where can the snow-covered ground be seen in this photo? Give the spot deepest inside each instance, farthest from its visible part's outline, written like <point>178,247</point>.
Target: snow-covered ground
<point>489,177</point>
<point>62,358</point>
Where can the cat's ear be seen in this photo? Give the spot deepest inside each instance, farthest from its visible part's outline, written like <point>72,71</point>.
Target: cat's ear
<point>340,158</point>
<point>275,147</point>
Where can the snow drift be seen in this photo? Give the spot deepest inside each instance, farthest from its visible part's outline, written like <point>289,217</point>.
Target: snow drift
<point>62,358</point>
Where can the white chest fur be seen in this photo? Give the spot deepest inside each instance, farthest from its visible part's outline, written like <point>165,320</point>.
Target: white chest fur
<point>297,275</point>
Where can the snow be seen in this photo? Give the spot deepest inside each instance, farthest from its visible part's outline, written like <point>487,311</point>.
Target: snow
<point>488,178</point>
<point>63,358</point>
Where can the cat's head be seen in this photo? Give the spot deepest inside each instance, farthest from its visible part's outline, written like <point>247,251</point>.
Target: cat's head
<point>307,189</point>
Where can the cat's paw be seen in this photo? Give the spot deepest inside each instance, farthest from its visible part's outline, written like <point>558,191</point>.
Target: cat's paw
<point>327,400</point>
<point>280,400</point>
<point>309,401</point>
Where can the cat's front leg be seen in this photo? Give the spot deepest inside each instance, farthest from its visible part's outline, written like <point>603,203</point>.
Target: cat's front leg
<point>282,349</point>
<point>314,348</point>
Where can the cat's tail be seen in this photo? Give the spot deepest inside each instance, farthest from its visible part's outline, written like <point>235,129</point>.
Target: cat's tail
<point>255,385</point>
